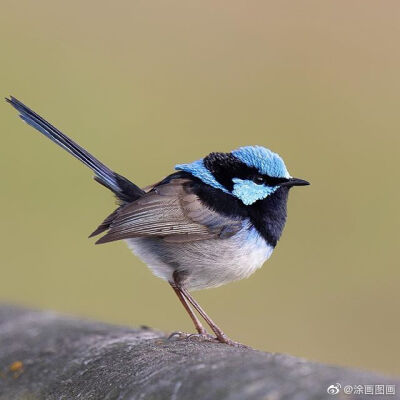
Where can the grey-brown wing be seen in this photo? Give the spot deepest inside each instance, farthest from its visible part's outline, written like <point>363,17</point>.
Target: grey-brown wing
<point>171,212</point>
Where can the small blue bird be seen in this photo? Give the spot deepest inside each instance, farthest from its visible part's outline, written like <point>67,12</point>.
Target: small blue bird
<point>214,221</point>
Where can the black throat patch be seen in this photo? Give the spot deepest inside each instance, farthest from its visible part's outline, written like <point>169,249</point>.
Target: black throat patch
<point>268,216</point>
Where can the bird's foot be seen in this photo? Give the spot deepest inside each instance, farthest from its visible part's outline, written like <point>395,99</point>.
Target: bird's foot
<point>200,337</point>
<point>222,338</point>
<point>232,343</point>
<point>178,335</point>
<point>205,337</point>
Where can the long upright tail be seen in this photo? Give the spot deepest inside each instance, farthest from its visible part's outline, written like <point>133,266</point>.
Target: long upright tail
<point>125,190</point>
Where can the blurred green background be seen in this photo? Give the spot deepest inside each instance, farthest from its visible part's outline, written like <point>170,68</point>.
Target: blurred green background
<point>144,85</point>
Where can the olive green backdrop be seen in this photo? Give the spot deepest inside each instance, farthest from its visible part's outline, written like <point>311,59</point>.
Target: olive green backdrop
<point>147,84</point>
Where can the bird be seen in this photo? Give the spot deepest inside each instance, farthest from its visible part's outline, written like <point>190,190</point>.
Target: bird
<point>211,222</point>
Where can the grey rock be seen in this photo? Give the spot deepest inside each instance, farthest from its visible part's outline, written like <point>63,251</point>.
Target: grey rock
<point>45,355</point>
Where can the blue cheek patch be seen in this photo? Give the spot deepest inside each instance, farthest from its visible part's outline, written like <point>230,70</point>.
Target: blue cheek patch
<point>249,192</point>
<point>198,170</point>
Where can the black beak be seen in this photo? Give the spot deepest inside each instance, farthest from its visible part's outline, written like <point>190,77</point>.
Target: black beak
<point>295,182</point>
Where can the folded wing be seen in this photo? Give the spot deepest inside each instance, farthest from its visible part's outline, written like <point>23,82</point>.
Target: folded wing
<point>169,211</point>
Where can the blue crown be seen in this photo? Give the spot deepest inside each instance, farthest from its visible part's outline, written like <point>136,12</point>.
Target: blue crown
<point>264,160</point>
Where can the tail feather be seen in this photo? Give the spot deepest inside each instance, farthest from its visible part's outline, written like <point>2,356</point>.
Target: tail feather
<point>125,190</point>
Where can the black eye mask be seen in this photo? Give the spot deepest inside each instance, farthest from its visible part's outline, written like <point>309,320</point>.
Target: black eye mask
<point>225,166</point>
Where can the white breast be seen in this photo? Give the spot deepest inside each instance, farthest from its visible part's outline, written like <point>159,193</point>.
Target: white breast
<point>207,263</point>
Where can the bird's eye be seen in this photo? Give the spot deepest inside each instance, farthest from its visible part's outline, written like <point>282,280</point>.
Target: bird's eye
<point>259,180</point>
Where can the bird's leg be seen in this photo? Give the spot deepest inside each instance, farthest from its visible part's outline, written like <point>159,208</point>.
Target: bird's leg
<point>218,332</point>
<point>181,297</point>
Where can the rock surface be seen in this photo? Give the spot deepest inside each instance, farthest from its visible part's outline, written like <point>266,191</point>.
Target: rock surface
<point>44,355</point>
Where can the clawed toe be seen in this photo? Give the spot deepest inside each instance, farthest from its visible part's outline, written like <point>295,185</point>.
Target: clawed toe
<point>202,337</point>
<point>178,335</point>
<point>230,342</point>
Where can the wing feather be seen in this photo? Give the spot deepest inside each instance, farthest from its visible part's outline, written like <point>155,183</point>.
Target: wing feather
<point>172,212</point>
